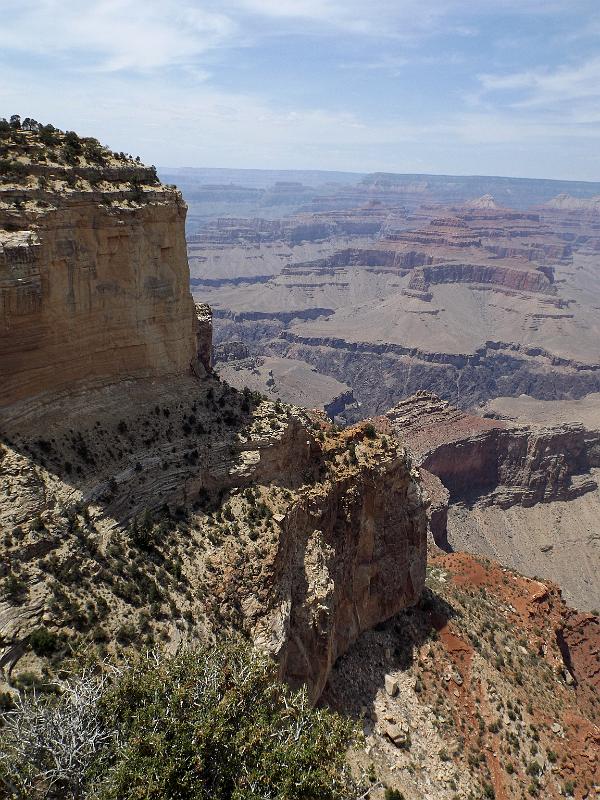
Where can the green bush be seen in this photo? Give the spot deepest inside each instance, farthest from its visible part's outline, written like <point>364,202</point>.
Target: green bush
<point>206,724</point>
<point>214,723</point>
<point>43,642</point>
<point>370,431</point>
<point>15,589</point>
<point>141,530</point>
<point>393,794</point>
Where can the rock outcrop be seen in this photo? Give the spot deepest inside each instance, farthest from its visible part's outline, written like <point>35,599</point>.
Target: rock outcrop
<point>501,489</point>
<point>565,202</point>
<point>477,686</point>
<point>347,552</point>
<point>520,280</point>
<point>93,272</point>
<point>491,461</point>
<point>142,497</point>
<point>204,334</point>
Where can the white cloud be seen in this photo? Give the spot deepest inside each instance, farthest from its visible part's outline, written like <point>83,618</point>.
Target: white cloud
<point>548,87</point>
<point>115,34</point>
<point>400,18</point>
<point>143,74</point>
<point>149,34</point>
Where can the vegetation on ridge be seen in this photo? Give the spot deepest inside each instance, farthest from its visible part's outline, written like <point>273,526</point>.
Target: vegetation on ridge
<point>29,147</point>
<point>211,722</point>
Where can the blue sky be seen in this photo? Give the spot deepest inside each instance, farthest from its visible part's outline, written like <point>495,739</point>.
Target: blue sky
<point>502,87</point>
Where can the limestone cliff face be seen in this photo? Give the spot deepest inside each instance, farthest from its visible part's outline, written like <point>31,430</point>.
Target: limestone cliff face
<point>489,461</point>
<point>93,278</point>
<point>524,495</point>
<point>522,280</point>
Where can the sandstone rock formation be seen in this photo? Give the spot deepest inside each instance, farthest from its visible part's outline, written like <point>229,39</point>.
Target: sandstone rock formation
<point>565,202</point>
<point>142,497</point>
<point>93,276</point>
<point>348,551</point>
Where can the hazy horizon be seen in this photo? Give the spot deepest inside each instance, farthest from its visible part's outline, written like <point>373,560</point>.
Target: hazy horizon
<point>363,174</point>
<point>447,87</point>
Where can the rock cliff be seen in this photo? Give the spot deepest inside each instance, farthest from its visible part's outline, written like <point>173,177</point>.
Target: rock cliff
<point>508,464</point>
<point>346,552</point>
<point>141,497</point>
<point>93,270</point>
<point>520,493</point>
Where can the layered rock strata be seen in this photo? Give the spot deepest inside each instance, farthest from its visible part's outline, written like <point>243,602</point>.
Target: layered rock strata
<point>492,461</point>
<point>93,275</point>
<point>142,497</point>
<point>469,302</point>
<point>525,495</point>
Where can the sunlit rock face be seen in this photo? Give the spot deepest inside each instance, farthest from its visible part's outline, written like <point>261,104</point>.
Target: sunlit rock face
<point>93,274</point>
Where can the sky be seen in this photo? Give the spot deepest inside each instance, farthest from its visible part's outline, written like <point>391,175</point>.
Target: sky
<point>488,87</point>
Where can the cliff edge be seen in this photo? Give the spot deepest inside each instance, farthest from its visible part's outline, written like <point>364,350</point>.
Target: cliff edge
<point>142,498</point>
<point>94,282</point>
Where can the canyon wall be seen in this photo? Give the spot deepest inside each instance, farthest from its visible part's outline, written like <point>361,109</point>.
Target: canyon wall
<point>489,461</point>
<point>497,369</point>
<point>527,496</point>
<point>520,280</point>
<point>93,283</point>
<point>348,552</point>
<point>133,479</point>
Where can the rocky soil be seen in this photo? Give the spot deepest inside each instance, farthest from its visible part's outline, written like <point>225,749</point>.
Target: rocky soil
<point>488,688</point>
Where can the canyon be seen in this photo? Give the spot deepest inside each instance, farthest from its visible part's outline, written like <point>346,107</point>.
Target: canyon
<point>129,471</point>
<point>158,489</point>
<point>388,289</point>
<point>474,304</point>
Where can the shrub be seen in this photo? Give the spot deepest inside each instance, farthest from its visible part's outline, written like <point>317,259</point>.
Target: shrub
<point>393,794</point>
<point>49,743</point>
<point>7,701</point>
<point>352,453</point>
<point>43,642</point>
<point>15,588</point>
<point>215,723</point>
<point>370,431</point>
<point>206,723</point>
<point>141,530</point>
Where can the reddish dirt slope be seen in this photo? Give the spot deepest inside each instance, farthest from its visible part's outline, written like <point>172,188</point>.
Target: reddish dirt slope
<point>497,689</point>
